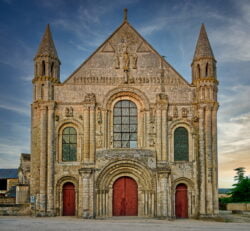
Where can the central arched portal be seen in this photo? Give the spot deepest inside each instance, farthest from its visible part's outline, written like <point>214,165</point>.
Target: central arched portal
<point>125,197</point>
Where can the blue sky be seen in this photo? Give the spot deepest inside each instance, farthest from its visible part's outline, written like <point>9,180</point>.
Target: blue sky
<point>171,27</point>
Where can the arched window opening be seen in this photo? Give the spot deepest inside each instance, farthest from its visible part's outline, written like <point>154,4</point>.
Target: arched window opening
<point>207,70</point>
<point>52,92</point>
<point>42,91</point>
<point>69,144</point>
<point>52,69</point>
<point>125,124</point>
<point>36,69</point>
<point>43,68</point>
<point>198,71</point>
<point>181,144</point>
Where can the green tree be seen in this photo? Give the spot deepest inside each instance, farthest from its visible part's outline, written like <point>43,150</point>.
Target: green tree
<point>241,190</point>
<point>240,172</point>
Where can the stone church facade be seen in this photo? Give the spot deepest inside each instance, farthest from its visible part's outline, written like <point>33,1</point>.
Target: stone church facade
<point>125,134</point>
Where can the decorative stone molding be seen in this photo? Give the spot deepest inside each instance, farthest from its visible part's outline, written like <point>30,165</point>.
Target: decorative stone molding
<point>45,78</point>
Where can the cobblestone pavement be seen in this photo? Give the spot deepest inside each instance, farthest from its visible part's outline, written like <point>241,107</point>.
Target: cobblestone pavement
<point>70,223</point>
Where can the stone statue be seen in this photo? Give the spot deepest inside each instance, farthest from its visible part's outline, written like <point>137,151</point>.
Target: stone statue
<point>134,61</point>
<point>117,62</point>
<point>125,60</point>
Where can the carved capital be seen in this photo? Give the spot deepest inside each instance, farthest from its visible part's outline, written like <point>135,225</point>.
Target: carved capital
<point>90,98</point>
<point>216,106</point>
<point>162,98</point>
<point>86,172</point>
<point>52,105</point>
<point>208,107</point>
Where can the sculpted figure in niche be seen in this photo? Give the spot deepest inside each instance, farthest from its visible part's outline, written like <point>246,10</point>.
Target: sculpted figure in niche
<point>99,116</point>
<point>117,62</point>
<point>69,112</point>
<point>134,61</point>
<point>184,112</point>
<point>175,112</point>
<point>125,60</point>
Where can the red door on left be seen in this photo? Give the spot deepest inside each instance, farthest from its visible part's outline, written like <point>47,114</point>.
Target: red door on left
<point>68,199</point>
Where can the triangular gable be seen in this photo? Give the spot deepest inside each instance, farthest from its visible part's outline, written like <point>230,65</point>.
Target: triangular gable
<point>125,45</point>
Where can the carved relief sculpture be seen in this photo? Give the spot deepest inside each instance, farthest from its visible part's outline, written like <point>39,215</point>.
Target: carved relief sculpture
<point>175,112</point>
<point>184,112</point>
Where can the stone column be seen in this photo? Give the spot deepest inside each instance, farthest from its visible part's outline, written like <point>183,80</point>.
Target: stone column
<point>158,133</point>
<point>163,195</point>
<point>141,133</point>
<point>51,136</point>
<point>147,128</point>
<point>164,133</point>
<point>169,196</point>
<point>209,159</point>
<point>108,129</point>
<point>86,129</point>
<point>215,157</point>
<point>92,140</point>
<point>87,198</point>
<point>202,164</point>
<point>43,159</point>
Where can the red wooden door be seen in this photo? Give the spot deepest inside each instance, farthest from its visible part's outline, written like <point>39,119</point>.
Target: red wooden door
<point>68,199</point>
<point>181,201</point>
<point>125,197</point>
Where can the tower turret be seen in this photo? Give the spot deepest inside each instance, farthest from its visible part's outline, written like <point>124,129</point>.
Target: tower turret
<point>205,80</point>
<point>204,69</point>
<point>46,69</point>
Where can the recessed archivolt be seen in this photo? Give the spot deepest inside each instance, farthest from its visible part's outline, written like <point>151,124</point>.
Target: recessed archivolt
<point>134,93</point>
<point>183,180</point>
<point>67,179</point>
<point>69,122</point>
<point>141,174</point>
<point>181,123</point>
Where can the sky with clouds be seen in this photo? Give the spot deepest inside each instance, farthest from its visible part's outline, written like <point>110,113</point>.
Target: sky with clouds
<point>171,27</point>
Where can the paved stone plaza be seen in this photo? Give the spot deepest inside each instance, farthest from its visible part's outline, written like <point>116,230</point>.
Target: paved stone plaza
<point>121,224</point>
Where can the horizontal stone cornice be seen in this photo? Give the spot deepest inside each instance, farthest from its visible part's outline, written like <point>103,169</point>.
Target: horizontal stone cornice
<point>45,78</point>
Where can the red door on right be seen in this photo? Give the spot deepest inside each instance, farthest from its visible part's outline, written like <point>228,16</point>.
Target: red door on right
<point>181,201</point>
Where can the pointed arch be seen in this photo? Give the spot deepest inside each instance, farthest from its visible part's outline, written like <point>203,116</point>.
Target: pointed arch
<point>43,68</point>
<point>198,71</point>
<point>52,69</point>
<point>207,70</point>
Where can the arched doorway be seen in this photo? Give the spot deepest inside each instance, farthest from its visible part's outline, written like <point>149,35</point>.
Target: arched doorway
<point>125,197</point>
<point>181,201</point>
<point>68,199</point>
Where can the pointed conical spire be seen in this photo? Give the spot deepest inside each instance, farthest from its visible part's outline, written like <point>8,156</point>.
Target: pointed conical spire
<point>47,46</point>
<point>203,48</point>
